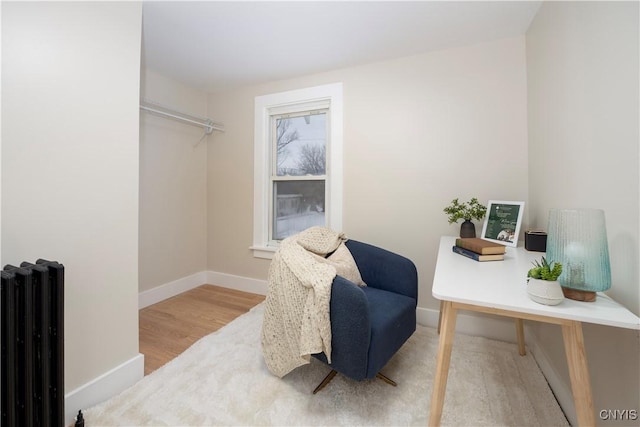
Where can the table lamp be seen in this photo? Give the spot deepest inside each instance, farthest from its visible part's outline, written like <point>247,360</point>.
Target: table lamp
<point>577,238</point>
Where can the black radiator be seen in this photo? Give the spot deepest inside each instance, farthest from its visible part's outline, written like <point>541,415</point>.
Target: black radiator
<point>32,364</point>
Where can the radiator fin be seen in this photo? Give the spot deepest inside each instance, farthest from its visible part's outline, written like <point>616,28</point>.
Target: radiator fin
<point>32,368</point>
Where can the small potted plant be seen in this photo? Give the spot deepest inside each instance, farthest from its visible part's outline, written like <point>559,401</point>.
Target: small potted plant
<point>467,211</point>
<point>542,282</point>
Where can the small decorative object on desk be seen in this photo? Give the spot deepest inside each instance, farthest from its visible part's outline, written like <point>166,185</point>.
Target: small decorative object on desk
<point>480,246</point>
<point>503,222</point>
<point>578,239</point>
<point>476,256</point>
<point>472,209</point>
<point>535,241</point>
<point>542,282</point>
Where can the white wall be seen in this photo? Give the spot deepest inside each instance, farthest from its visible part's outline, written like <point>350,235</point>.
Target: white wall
<point>418,131</point>
<point>582,66</point>
<point>173,182</point>
<point>70,89</point>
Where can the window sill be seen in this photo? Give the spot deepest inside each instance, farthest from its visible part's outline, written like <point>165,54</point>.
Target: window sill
<point>265,252</point>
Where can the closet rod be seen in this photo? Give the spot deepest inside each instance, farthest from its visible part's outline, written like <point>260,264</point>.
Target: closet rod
<point>208,124</point>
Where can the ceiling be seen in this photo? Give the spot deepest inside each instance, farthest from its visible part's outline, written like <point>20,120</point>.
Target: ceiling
<point>216,45</point>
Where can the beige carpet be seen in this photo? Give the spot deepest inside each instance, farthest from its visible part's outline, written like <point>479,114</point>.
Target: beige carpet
<point>222,380</point>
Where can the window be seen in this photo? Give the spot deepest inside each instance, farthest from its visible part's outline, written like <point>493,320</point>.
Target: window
<point>298,164</point>
<point>298,172</point>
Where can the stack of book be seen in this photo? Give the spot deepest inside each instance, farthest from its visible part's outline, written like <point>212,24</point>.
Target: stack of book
<point>479,249</point>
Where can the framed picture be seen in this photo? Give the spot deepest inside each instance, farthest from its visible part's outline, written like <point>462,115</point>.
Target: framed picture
<point>502,223</point>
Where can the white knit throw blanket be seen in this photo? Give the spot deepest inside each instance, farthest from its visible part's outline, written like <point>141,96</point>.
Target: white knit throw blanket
<point>296,317</point>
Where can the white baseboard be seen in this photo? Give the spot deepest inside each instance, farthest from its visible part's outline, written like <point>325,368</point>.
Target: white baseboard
<point>171,289</point>
<point>176,287</point>
<point>427,317</point>
<point>239,283</point>
<point>103,387</point>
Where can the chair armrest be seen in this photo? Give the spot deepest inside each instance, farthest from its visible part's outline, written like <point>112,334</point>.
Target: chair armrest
<point>385,270</point>
<point>350,329</point>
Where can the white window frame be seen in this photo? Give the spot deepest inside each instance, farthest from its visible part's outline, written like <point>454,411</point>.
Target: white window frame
<point>269,104</point>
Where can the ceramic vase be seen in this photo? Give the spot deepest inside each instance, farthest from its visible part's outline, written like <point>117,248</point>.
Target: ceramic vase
<point>467,229</point>
<point>545,292</point>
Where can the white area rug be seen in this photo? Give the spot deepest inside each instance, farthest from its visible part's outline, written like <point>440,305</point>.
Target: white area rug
<point>223,380</point>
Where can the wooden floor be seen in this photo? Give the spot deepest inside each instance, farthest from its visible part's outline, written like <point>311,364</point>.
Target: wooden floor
<point>169,327</point>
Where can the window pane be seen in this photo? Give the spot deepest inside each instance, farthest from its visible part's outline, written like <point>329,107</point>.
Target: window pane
<point>298,205</point>
<point>301,144</point>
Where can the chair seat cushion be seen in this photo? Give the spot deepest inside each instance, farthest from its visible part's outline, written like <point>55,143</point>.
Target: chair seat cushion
<point>393,320</point>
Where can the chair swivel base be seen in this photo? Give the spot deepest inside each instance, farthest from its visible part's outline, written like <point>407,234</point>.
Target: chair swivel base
<point>333,373</point>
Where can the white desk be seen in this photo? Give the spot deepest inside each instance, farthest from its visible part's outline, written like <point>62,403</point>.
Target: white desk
<point>499,287</point>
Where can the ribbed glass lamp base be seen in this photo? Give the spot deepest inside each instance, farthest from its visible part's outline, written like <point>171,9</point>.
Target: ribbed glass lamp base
<point>579,295</point>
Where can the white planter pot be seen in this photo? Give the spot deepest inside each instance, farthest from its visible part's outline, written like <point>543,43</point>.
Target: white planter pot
<point>544,291</point>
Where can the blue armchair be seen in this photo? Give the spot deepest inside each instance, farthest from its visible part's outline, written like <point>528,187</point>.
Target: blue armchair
<point>369,324</point>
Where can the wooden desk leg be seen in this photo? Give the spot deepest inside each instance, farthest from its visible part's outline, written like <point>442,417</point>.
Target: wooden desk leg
<point>520,334</point>
<point>579,372</point>
<point>445,344</point>
<point>440,317</point>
